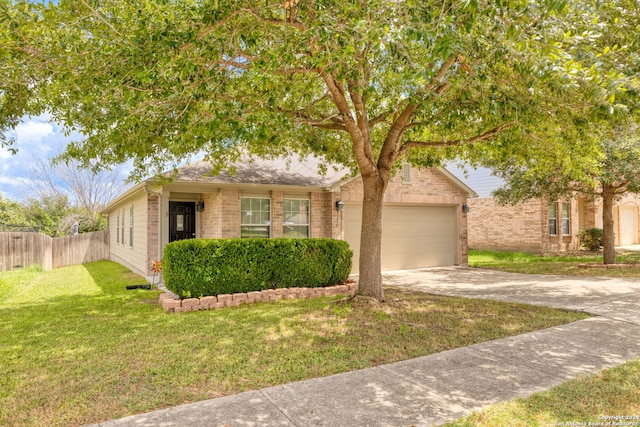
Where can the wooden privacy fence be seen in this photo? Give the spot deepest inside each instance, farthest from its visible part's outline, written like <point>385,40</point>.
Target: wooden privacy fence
<point>18,250</point>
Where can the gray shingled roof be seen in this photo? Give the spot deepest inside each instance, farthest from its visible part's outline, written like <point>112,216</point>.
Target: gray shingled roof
<point>280,171</point>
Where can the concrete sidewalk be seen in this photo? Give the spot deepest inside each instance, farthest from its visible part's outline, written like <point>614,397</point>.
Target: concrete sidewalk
<point>434,389</point>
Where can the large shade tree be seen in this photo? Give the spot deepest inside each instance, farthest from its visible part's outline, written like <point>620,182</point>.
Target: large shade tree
<point>364,83</point>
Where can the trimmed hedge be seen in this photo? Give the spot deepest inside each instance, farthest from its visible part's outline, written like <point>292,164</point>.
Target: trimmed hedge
<point>203,267</point>
<point>592,238</point>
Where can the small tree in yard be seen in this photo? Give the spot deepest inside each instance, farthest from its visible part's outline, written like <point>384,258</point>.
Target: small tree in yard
<point>362,83</point>
<point>12,215</point>
<point>84,192</point>
<point>612,170</point>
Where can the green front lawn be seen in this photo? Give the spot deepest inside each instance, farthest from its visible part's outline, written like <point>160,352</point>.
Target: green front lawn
<point>76,347</point>
<point>613,392</point>
<point>520,262</point>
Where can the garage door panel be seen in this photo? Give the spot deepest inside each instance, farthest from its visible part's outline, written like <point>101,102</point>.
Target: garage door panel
<point>412,236</point>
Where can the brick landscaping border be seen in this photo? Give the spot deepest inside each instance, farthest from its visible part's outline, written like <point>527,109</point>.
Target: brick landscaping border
<point>172,305</point>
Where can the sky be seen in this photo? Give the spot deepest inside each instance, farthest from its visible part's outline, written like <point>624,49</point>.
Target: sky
<point>35,137</point>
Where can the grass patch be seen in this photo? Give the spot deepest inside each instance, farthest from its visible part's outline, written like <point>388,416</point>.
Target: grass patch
<point>77,347</point>
<point>520,262</point>
<point>609,393</point>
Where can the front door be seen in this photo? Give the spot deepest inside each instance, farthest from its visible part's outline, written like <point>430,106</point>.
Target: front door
<point>182,220</point>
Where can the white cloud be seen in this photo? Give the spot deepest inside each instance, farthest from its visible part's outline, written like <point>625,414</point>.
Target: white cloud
<point>4,153</point>
<point>8,180</point>
<point>32,133</point>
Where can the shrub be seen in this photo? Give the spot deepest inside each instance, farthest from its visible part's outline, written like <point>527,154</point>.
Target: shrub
<point>592,238</point>
<point>201,267</point>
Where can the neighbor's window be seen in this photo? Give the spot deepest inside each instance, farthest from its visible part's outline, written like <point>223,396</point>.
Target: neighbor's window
<point>566,218</point>
<point>255,218</point>
<point>553,218</point>
<point>131,226</point>
<point>295,223</point>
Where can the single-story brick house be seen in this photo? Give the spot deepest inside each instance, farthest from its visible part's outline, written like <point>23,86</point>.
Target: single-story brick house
<point>539,225</point>
<point>423,220</point>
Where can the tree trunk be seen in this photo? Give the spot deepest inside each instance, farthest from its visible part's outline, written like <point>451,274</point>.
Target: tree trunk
<point>609,237</point>
<point>370,276</point>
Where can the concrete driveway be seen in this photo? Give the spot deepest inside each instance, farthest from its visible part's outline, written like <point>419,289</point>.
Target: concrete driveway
<point>615,298</point>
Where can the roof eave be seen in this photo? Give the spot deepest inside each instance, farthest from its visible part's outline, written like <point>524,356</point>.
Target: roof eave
<point>470,193</point>
<point>130,193</point>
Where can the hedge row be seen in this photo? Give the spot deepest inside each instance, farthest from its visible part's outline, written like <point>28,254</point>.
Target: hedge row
<point>203,267</point>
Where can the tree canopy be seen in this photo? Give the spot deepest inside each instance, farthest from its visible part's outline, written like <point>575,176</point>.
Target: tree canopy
<point>363,83</point>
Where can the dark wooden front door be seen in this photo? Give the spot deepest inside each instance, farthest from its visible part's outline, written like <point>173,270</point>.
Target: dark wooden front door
<point>182,220</point>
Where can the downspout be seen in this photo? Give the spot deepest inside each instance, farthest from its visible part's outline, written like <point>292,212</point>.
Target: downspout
<point>159,196</point>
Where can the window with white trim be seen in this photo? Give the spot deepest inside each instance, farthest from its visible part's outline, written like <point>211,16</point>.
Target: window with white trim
<point>295,222</point>
<point>118,228</point>
<point>122,228</point>
<point>553,218</point>
<point>255,217</point>
<point>566,218</point>
<point>131,226</point>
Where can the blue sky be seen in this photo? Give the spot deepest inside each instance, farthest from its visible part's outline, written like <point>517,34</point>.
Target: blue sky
<point>34,137</point>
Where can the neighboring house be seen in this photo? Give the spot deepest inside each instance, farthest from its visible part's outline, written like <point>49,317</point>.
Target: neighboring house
<point>626,215</point>
<point>423,220</point>
<point>539,225</point>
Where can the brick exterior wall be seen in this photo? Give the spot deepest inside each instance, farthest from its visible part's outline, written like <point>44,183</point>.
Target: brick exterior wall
<point>427,186</point>
<point>277,214</point>
<point>210,219</point>
<point>463,238</point>
<point>523,227</point>
<point>230,213</point>
<point>496,227</point>
<point>221,215</point>
<point>153,231</point>
<point>324,215</point>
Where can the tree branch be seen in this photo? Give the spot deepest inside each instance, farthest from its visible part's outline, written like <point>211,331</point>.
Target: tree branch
<point>448,143</point>
<point>391,149</point>
<point>257,16</point>
<point>382,117</point>
<point>102,19</point>
<point>360,107</point>
<point>361,147</point>
<point>329,122</point>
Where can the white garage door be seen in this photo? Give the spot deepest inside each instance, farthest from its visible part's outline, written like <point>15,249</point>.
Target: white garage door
<point>628,225</point>
<point>412,236</point>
